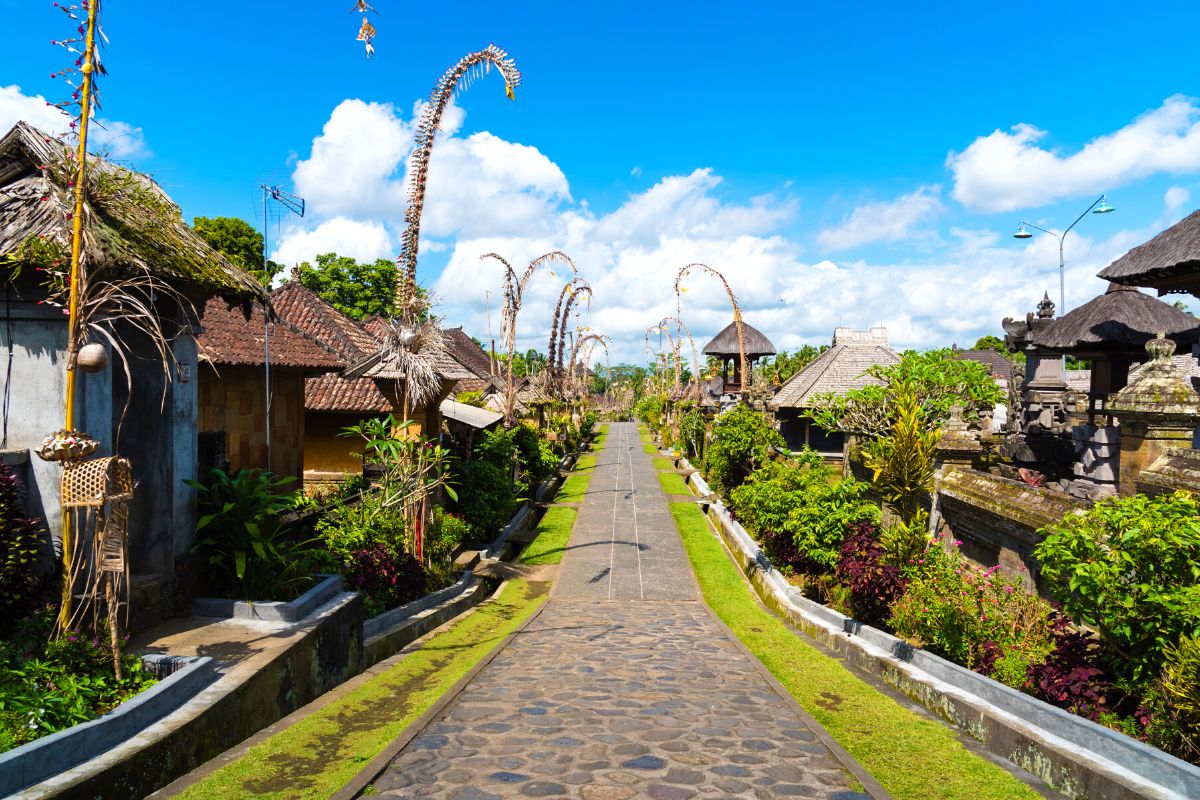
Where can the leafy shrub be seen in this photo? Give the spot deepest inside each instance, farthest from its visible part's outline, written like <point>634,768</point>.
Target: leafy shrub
<point>446,534</point>
<point>1070,677</point>
<point>1128,567</point>
<point>902,461</point>
<point>488,495</point>
<point>1174,723</point>
<point>874,585</point>
<point>741,443</point>
<point>243,538</point>
<point>800,505</point>
<point>363,526</point>
<point>48,686</point>
<point>650,410</point>
<point>587,424</point>
<point>904,543</point>
<point>691,435</point>
<point>385,578</point>
<point>974,617</point>
<point>537,457</point>
<point>22,580</point>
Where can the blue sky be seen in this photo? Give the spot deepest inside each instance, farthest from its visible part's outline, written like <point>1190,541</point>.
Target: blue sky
<point>841,164</point>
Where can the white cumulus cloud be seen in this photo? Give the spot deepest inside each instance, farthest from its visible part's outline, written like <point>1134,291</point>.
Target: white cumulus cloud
<point>362,241</point>
<point>111,138</point>
<point>884,221</point>
<point>1004,171</point>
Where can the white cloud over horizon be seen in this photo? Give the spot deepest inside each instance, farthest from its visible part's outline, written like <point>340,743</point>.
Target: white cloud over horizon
<point>1004,171</point>
<point>885,221</point>
<point>487,194</point>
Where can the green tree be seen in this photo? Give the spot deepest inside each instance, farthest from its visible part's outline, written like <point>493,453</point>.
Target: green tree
<point>939,380</point>
<point>990,342</point>
<point>902,462</point>
<point>240,243</point>
<point>357,289</point>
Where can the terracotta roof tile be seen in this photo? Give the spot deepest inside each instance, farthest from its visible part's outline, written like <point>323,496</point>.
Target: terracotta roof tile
<point>300,306</point>
<point>335,393</point>
<point>229,337</point>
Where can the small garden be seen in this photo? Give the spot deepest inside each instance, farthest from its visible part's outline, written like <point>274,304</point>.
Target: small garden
<point>1120,643</point>
<point>51,677</point>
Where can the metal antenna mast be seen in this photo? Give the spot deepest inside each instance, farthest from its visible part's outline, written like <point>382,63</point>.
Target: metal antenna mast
<point>295,205</point>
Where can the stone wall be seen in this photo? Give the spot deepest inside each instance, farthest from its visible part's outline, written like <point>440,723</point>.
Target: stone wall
<point>997,519</point>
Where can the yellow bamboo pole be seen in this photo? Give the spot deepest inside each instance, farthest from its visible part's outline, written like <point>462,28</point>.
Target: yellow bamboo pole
<point>85,114</point>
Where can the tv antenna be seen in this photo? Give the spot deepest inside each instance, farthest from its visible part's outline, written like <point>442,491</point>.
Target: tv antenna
<point>287,203</point>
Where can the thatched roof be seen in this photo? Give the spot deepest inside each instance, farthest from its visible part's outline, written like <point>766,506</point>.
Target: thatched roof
<point>130,225</point>
<point>1168,262</point>
<point>1121,320</point>
<point>839,369</point>
<point>726,342</point>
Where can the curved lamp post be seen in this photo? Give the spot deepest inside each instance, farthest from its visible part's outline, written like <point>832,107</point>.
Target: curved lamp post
<point>1101,206</point>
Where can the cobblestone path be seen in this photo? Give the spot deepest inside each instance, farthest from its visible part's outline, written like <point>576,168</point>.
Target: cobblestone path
<point>623,686</point>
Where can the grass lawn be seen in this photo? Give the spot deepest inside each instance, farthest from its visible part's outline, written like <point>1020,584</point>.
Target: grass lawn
<point>912,756</point>
<point>552,534</point>
<point>661,463</point>
<point>573,488</point>
<point>649,448</point>
<point>673,483</point>
<point>321,753</point>
<point>586,463</point>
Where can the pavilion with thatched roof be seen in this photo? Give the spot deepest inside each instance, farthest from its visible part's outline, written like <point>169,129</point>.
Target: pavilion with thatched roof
<point>1112,331</point>
<point>725,347</point>
<point>1170,262</point>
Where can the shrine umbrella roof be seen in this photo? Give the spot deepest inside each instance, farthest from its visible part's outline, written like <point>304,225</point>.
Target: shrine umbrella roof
<point>1170,262</point>
<point>1120,321</point>
<point>726,342</point>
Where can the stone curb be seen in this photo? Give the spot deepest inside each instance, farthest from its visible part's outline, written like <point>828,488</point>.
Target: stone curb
<point>181,678</point>
<point>469,592</point>
<point>271,610</point>
<point>1073,755</point>
<point>393,618</point>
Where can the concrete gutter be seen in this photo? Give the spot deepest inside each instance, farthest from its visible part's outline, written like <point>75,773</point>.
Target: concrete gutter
<point>180,679</point>
<point>392,631</point>
<point>1074,755</point>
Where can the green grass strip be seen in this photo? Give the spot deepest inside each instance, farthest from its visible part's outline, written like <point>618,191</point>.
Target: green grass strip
<point>321,753</point>
<point>586,463</point>
<point>672,483</point>
<point>661,464</point>
<point>911,755</point>
<point>574,488</point>
<point>552,534</point>
<point>649,448</point>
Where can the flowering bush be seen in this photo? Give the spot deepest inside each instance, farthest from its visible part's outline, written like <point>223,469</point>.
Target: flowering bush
<point>386,579</point>
<point>974,617</point>
<point>874,585</point>
<point>1070,677</point>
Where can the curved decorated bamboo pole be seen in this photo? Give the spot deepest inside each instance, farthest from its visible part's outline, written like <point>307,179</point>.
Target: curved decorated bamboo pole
<point>660,327</point>
<point>468,67</point>
<point>514,291</point>
<point>585,288</point>
<point>559,324</point>
<point>737,313</point>
<point>580,340</point>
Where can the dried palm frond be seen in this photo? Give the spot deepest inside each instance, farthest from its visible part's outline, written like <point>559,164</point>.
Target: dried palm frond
<point>458,76</point>
<point>410,354</point>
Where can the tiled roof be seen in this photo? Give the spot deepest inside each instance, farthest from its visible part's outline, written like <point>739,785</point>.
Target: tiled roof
<point>997,364</point>
<point>467,353</point>
<point>335,393</point>
<point>300,306</point>
<point>839,369</point>
<point>229,337</point>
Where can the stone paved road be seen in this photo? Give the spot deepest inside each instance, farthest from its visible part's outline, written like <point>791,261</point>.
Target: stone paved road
<point>623,686</point>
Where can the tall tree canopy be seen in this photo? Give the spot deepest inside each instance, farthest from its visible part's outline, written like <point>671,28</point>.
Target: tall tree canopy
<point>357,289</point>
<point>236,240</point>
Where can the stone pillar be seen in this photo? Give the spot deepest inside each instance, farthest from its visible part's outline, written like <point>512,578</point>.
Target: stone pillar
<point>1158,412</point>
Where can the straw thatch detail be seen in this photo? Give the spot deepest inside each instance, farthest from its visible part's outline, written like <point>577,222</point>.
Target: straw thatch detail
<point>1121,319</point>
<point>1170,257</point>
<point>725,343</point>
<point>130,226</point>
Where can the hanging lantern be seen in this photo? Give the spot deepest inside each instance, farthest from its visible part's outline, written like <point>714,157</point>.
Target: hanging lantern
<point>92,358</point>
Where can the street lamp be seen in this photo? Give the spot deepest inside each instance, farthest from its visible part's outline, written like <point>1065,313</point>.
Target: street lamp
<point>1101,206</point>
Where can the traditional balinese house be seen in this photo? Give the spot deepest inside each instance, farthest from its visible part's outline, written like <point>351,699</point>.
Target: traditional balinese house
<point>464,423</point>
<point>1169,263</point>
<point>235,428</point>
<point>371,385</point>
<point>143,406</point>
<point>725,347</point>
<point>836,371</point>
